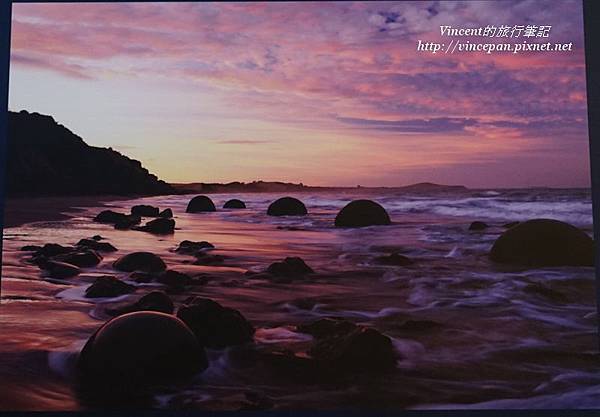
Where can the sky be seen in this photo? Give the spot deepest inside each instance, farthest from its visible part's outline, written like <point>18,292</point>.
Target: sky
<point>319,93</point>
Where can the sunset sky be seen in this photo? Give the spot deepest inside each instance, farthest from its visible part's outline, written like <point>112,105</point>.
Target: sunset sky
<point>319,93</point>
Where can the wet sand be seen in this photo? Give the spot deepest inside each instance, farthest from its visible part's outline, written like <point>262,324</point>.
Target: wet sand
<point>18,211</point>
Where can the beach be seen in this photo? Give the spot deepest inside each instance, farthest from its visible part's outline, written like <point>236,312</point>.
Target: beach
<point>467,333</point>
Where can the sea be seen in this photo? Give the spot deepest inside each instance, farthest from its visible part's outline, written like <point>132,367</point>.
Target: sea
<point>469,333</point>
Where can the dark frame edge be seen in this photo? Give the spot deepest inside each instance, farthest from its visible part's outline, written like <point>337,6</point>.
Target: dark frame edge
<point>5,27</point>
<point>591,11</point>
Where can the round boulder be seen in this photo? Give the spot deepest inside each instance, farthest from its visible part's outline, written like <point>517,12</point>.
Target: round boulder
<point>138,350</point>
<point>287,206</point>
<point>544,242</point>
<point>361,213</point>
<point>200,204</point>
<point>140,261</point>
<point>234,204</point>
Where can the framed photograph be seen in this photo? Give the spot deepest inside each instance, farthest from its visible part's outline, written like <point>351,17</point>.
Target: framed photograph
<point>298,206</point>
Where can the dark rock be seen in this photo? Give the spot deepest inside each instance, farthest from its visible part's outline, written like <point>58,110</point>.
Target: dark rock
<point>190,248</point>
<point>97,237</point>
<point>60,270</point>
<point>166,213</point>
<point>142,277</point>
<point>174,278</point>
<point>108,286</point>
<point>478,226</point>
<point>135,351</point>
<point>216,326</point>
<point>291,267</point>
<point>362,349</point>
<point>511,224</point>
<point>140,261</point>
<point>53,249</point>
<point>127,222</point>
<point>203,258</point>
<point>199,204</point>
<point>327,327</point>
<point>287,206</point>
<point>46,158</point>
<point>234,204</point>
<point>362,213</point>
<point>31,248</point>
<point>544,242</point>
<point>145,211</point>
<point>83,258</point>
<point>153,301</point>
<point>394,259</point>
<point>160,226</point>
<point>109,216</point>
<point>96,245</point>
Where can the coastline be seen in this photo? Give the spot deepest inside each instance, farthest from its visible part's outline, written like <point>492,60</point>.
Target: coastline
<point>21,210</point>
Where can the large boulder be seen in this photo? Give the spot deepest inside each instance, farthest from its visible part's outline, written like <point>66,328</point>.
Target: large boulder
<point>145,210</point>
<point>544,243</point>
<point>200,204</point>
<point>216,326</point>
<point>53,249</point>
<point>108,286</point>
<point>287,206</point>
<point>362,213</point>
<point>138,350</point>
<point>234,204</point>
<point>160,226</point>
<point>140,261</point>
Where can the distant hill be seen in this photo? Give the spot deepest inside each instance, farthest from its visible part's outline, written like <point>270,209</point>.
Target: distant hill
<point>275,186</point>
<point>46,158</point>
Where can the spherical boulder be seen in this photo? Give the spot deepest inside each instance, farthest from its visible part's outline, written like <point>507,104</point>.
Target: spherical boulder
<point>200,204</point>
<point>140,261</point>
<point>234,204</point>
<point>287,206</point>
<point>362,213</point>
<point>140,349</point>
<point>543,243</point>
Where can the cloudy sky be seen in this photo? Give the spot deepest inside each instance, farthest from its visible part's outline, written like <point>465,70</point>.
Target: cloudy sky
<point>319,93</point>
